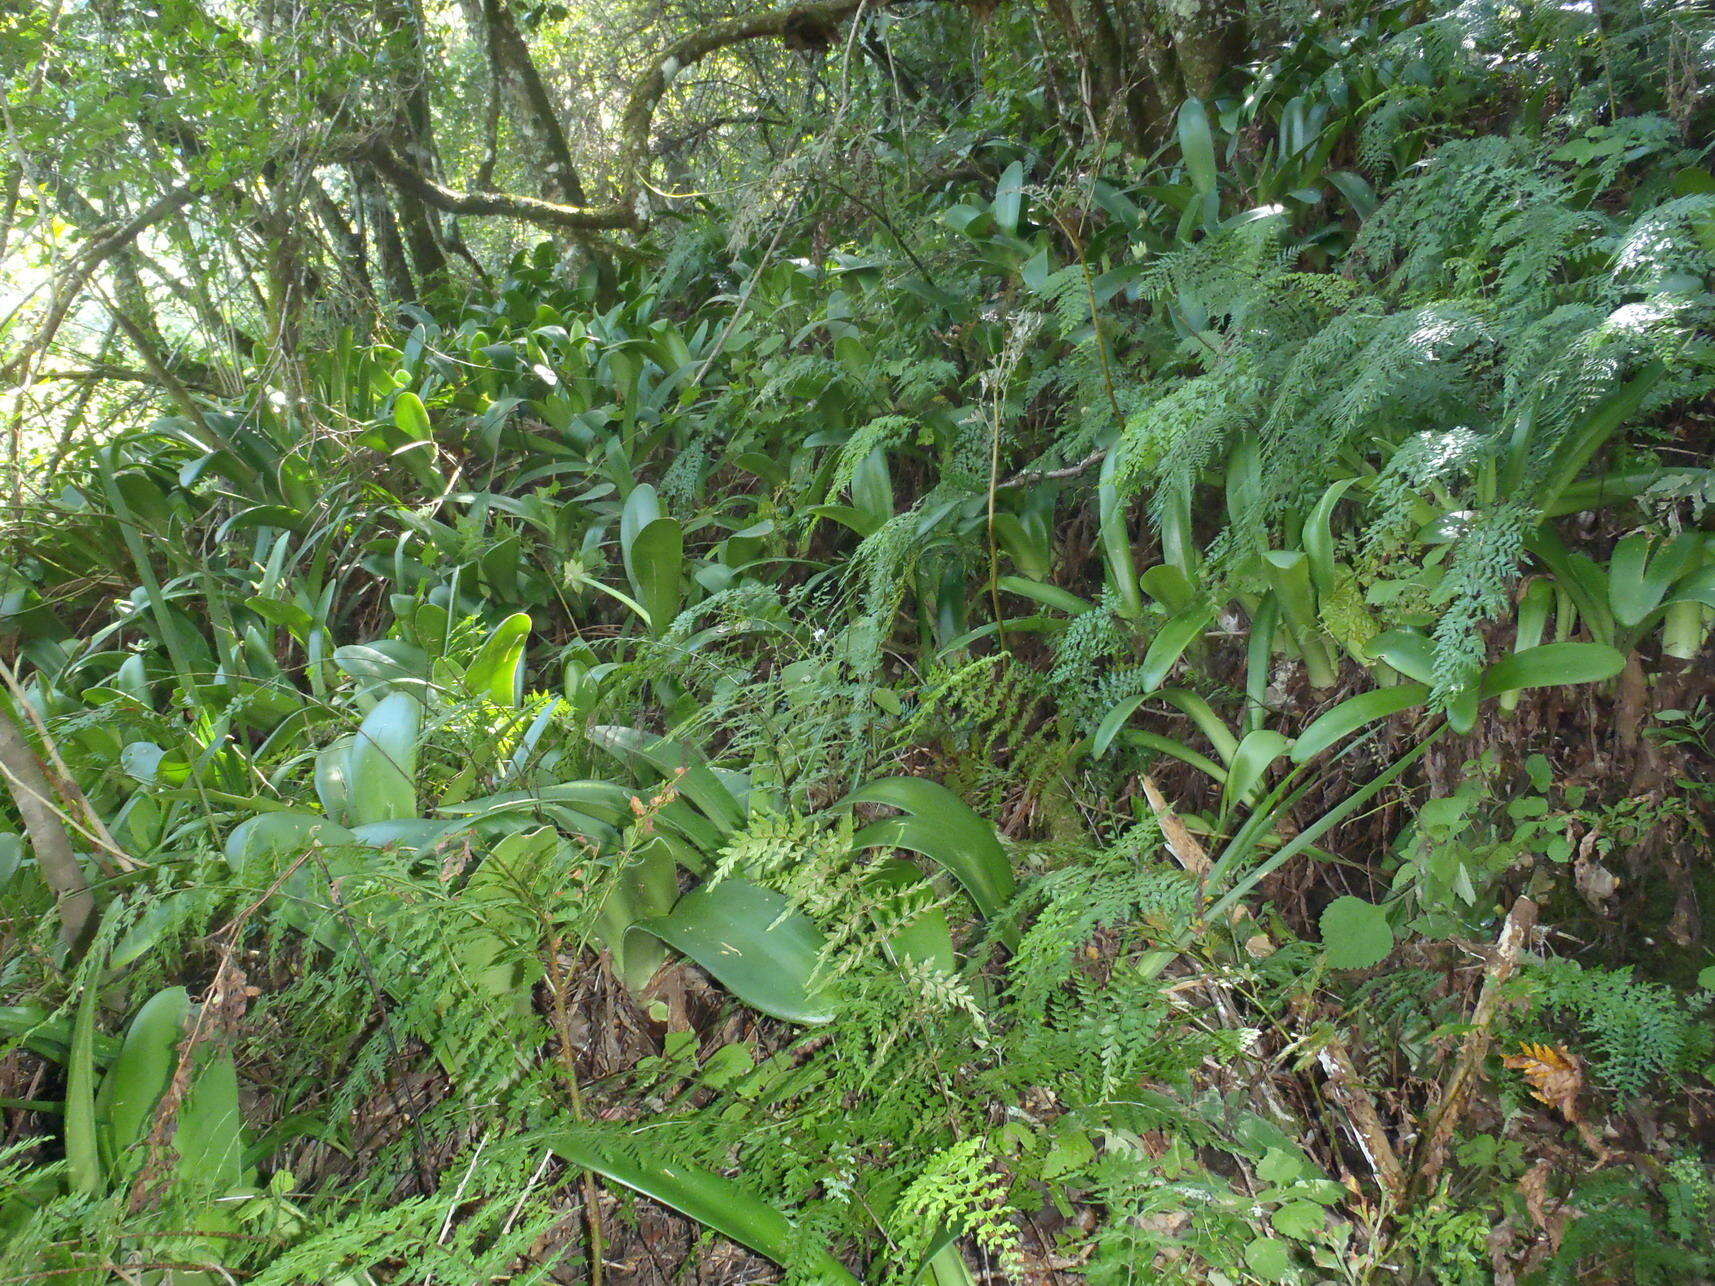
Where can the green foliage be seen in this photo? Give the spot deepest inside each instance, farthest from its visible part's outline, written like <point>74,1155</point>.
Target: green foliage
<point>695,718</point>
<point>1637,1034</point>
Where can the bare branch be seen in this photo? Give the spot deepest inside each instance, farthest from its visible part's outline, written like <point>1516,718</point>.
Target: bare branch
<point>549,214</point>
<point>809,21</point>
<point>69,287</point>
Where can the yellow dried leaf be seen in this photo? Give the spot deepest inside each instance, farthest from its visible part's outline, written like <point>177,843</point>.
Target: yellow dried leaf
<point>1555,1075</point>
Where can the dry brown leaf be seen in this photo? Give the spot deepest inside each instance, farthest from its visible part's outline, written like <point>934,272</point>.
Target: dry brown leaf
<point>1555,1075</point>
<point>1595,882</point>
<point>1183,843</point>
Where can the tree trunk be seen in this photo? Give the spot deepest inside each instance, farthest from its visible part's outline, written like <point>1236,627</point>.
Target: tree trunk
<point>520,84</point>
<point>34,795</point>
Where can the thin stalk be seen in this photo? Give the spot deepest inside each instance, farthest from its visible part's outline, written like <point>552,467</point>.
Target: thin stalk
<point>569,1063</point>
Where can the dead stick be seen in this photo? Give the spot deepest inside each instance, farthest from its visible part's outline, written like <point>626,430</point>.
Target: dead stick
<point>1350,1092</point>
<point>1444,1120</point>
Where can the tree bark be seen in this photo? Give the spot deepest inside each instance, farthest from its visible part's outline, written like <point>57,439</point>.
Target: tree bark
<point>520,84</point>
<point>55,858</point>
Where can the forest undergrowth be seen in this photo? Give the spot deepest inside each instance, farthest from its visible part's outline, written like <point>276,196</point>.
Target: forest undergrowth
<point>1022,711</point>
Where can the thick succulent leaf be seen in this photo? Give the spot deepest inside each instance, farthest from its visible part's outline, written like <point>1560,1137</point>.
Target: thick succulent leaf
<point>943,828</point>
<point>703,1195</point>
<point>750,940</point>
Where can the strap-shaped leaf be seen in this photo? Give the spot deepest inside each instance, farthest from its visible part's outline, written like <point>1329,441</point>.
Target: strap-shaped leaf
<point>1112,722</point>
<point>710,1199</point>
<point>943,828</point>
<point>1256,753</point>
<point>1197,144</point>
<point>751,941</point>
<point>1552,665</point>
<point>689,772</point>
<point>1169,644</point>
<point>82,1150</point>
<point>1353,713</point>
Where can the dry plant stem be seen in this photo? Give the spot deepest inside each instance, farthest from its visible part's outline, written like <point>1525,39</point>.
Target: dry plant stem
<point>569,1062</point>
<point>1190,853</point>
<point>92,826</point>
<point>1336,1060</point>
<point>1359,1106</point>
<point>1455,1096</point>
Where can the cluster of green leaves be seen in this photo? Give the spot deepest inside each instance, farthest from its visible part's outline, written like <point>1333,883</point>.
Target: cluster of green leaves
<point>554,634</point>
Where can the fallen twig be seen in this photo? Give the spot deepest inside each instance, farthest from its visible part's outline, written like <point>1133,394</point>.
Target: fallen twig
<point>1444,1120</point>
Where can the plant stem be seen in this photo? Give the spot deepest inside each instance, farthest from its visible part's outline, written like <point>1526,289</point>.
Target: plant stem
<point>569,1062</point>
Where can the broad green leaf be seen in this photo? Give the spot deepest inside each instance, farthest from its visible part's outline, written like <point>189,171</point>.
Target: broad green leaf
<point>382,761</point>
<point>1009,198</point>
<point>274,833</point>
<point>1115,534</point>
<point>658,566</point>
<point>411,416</point>
<point>642,507</point>
<point>1269,1258</point>
<point>1318,538</point>
<point>1578,445</point>
<point>1298,1219</point>
<point>1208,722</point>
<point>942,827</point>
<point>646,888</point>
<point>1408,651</point>
<point>1354,713</point>
<point>1197,145</point>
<point>333,778</point>
<point>497,670</point>
<point>926,938</point>
<point>133,1085</point>
<point>1177,750</point>
<point>210,1134</point>
<point>1551,665</point>
<point>1168,585</point>
<point>1355,933</point>
<point>754,944</point>
<point>710,1199</point>
<point>1643,568</point>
